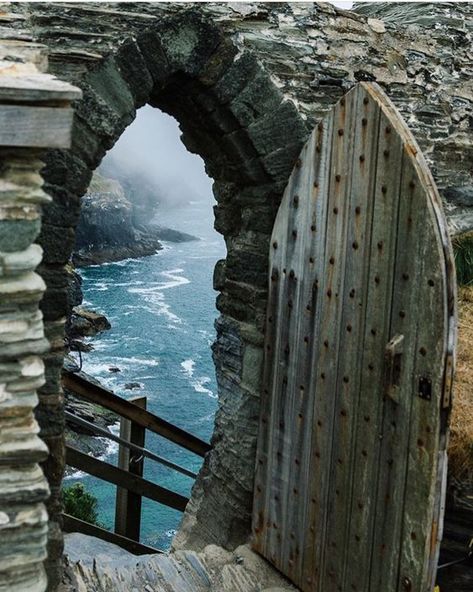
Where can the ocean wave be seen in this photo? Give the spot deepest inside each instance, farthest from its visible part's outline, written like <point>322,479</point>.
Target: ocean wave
<point>136,361</point>
<point>174,279</point>
<point>201,256</point>
<point>170,533</point>
<point>94,368</point>
<point>188,367</point>
<point>74,475</point>
<point>199,386</point>
<point>153,294</point>
<point>112,447</point>
<point>160,308</point>
<point>121,263</point>
<point>127,284</point>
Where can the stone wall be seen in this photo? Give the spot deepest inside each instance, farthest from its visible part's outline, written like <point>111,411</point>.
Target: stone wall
<point>246,82</point>
<point>29,101</point>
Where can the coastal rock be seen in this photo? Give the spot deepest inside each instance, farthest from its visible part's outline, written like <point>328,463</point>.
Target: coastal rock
<point>99,416</point>
<point>85,323</point>
<point>75,295</point>
<point>130,386</point>
<point>89,559</point>
<point>79,436</point>
<point>174,236</point>
<point>106,230</point>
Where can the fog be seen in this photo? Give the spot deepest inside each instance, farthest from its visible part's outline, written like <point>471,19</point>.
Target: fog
<point>151,149</point>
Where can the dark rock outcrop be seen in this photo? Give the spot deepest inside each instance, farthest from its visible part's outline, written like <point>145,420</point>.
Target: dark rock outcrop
<point>174,236</point>
<point>79,436</point>
<point>82,438</point>
<point>106,230</point>
<point>85,323</point>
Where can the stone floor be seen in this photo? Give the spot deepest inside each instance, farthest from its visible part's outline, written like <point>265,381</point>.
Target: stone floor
<point>93,565</point>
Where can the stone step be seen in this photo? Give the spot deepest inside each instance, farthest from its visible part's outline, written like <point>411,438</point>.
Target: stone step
<point>97,566</point>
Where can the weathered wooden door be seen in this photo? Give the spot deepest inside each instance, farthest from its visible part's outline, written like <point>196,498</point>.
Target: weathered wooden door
<point>358,361</point>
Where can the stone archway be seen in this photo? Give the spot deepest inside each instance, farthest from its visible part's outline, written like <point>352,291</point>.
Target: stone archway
<point>233,115</point>
<point>310,54</point>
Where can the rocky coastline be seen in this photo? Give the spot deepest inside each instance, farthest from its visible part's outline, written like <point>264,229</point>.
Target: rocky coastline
<point>111,228</point>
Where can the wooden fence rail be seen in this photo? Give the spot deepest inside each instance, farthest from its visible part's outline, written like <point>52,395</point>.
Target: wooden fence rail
<point>107,472</point>
<point>101,396</point>
<point>131,486</point>
<point>73,524</point>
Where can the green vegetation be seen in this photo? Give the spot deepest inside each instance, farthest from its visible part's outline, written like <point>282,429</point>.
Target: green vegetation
<point>80,503</point>
<point>463,249</point>
<point>101,184</point>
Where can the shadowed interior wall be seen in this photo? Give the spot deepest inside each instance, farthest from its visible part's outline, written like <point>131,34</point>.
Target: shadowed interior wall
<point>246,83</point>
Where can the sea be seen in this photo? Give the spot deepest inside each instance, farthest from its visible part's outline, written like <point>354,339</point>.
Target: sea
<point>162,312</point>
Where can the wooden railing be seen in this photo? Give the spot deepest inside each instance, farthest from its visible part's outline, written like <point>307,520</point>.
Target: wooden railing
<point>130,483</point>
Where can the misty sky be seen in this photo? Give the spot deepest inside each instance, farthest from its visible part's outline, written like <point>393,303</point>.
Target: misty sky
<point>152,144</point>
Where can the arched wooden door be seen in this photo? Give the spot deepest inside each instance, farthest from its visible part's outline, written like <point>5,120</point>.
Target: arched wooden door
<point>358,362</point>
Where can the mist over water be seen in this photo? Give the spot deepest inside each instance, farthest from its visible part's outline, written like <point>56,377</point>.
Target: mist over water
<point>151,147</point>
<point>162,310</point>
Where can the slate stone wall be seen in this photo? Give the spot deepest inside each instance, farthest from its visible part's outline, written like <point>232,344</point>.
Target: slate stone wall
<point>246,83</point>
<point>27,96</point>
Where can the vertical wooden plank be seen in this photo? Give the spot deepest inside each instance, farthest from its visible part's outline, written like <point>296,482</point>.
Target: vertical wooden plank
<point>278,456</point>
<point>282,288</point>
<point>366,440</point>
<point>309,516</point>
<point>328,330</point>
<point>419,536</point>
<point>352,335</point>
<point>128,504</point>
<point>432,375</point>
<point>291,443</point>
<point>396,419</point>
<point>121,493</point>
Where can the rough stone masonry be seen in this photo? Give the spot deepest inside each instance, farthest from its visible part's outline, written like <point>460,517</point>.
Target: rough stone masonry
<point>246,82</point>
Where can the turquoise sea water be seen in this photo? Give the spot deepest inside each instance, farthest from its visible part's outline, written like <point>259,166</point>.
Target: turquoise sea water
<point>162,310</point>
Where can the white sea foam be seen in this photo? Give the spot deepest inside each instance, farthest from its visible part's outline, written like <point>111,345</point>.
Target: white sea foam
<point>125,362</point>
<point>199,386</point>
<point>121,263</point>
<point>126,284</point>
<point>153,294</point>
<point>188,367</point>
<point>75,475</point>
<point>202,257</point>
<point>161,308</point>
<point>171,533</point>
<point>173,278</point>
<point>98,287</point>
<point>112,447</point>
<point>94,368</point>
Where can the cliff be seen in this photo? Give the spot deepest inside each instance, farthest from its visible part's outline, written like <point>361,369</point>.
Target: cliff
<point>114,221</point>
<point>106,230</point>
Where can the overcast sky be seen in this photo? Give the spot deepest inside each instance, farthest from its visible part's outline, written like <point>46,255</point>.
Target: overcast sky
<point>152,145</point>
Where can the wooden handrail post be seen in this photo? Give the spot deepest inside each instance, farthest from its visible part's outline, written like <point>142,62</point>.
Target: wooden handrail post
<point>128,504</point>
